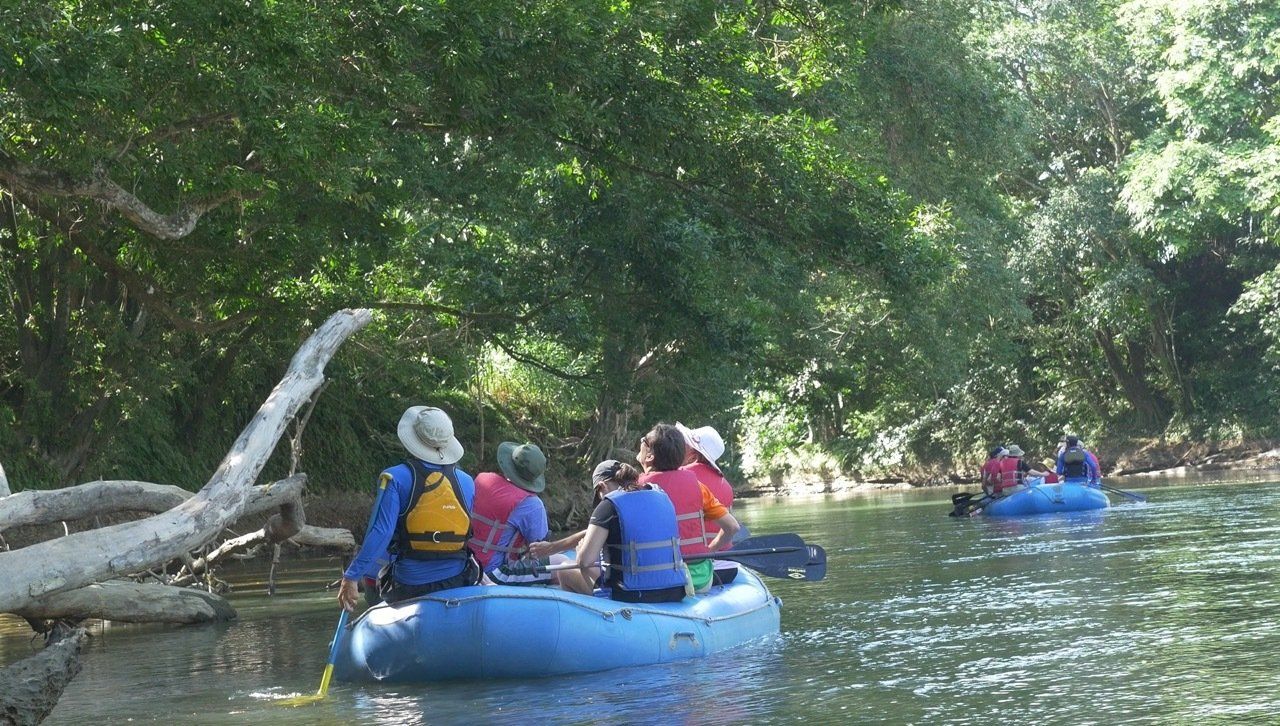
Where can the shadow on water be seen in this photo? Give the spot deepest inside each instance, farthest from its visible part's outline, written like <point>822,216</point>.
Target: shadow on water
<point>1157,613</point>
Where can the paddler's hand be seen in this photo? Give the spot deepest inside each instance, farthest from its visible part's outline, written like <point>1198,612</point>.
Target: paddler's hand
<point>348,593</point>
<point>540,550</point>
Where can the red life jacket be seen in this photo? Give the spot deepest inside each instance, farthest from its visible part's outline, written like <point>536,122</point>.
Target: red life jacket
<point>991,471</point>
<point>719,487</point>
<point>685,492</point>
<point>1009,476</point>
<point>496,498</point>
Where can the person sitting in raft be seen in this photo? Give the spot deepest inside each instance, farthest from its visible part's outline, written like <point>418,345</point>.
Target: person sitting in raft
<point>991,470</point>
<point>1062,446</point>
<point>1014,471</point>
<point>508,512</point>
<point>1075,464</point>
<point>1096,465</point>
<point>610,476</point>
<point>704,446</point>
<point>662,453</point>
<point>1050,476</point>
<point>423,515</point>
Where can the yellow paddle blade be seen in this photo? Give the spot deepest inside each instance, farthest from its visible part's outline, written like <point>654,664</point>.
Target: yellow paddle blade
<point>315,697</point>
<point>324,681</point>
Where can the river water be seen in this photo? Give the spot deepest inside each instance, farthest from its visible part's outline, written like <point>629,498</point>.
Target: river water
<point>1158,613</point>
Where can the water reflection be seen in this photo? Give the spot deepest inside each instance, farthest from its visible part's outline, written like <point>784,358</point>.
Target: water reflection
<point>1157,613</point>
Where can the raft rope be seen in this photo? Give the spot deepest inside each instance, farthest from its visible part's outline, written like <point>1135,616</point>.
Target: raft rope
<point>451,602</point>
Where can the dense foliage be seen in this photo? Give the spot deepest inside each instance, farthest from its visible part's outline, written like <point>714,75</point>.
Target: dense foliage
<point>867,236</point>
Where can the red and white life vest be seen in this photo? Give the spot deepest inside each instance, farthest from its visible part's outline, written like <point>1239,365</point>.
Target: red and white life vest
<point>719,487</point>
<point>685,491</point>
<point>496,498</point>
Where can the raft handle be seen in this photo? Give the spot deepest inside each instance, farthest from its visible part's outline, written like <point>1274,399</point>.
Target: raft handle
<point>676,638</point>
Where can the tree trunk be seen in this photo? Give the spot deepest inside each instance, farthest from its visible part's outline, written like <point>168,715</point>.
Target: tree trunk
<point>4,484</point>
<point>87,557</point>
<point>1133,386</point>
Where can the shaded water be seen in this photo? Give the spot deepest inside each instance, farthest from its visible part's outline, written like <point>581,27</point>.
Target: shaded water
<point>1158,613</point>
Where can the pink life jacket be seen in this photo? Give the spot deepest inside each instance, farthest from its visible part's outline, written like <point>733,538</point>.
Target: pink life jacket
<point>719,488</point>
<point>685,492</point>
<point>496,498</point>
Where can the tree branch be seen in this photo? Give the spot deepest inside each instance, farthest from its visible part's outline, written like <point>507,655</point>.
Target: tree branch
<point>20,178</point>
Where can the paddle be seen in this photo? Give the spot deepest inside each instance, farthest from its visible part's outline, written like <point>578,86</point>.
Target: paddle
<point>342,622</point>
<point>1131,495</point>
<point>965,506</point>
<point>776,555</point>
<point>816,568</point>
<point>328,669</point>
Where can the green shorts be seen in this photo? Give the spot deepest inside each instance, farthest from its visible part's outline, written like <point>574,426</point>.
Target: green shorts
<point>701,573</point>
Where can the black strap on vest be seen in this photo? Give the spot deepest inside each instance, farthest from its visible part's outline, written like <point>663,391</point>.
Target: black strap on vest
<point>416,490</point>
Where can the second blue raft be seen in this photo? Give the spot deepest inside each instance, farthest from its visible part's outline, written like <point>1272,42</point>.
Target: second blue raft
<point>526,632</point>
<point>1072,495</point>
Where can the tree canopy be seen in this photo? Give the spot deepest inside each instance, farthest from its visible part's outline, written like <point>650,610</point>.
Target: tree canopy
<point>886,233</point>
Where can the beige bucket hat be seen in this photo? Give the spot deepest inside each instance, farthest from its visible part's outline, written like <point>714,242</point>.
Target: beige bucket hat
<point>427,433</point>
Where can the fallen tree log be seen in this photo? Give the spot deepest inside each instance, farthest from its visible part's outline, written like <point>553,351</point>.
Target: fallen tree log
<point>329,537</point>
<point>83,558</point>
<point>122,601</point>
<point>4,483</point>
<point>87,500</point>
<point>30,688</point>
<point>108,497</point>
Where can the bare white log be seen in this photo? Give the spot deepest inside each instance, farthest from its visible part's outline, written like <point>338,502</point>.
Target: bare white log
<point>86,557</point>
<point>330,537</point>
<point>132,602</point>
<point>30,688</point>
<point>87,500</point>
<point>4,483</point>
<point>104,497</point>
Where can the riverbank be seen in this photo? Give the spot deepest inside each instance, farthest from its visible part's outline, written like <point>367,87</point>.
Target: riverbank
<point>1119,459</point>
<point>568,505</point>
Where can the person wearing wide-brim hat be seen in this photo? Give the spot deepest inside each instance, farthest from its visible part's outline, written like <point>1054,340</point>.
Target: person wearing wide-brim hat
<point>508,514</point>
<point>704,447</point>
<point>428,549</point>
<point>1014,471</point>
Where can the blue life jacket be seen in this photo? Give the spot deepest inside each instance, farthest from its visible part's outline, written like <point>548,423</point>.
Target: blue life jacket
<point>649,556</point>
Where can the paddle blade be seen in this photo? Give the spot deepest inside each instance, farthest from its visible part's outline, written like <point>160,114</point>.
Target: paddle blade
<point>815,569</point>
<point>741,534</point>
<point>328,667</point>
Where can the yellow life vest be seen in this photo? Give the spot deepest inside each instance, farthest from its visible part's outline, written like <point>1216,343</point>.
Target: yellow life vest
<point>437,524</point>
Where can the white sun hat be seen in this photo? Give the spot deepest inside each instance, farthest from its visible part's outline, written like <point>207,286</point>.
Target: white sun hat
<point>427,433</point>
<point>705,440</point>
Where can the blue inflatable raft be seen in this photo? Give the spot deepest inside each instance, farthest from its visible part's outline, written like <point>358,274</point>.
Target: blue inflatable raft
<point>1072,495</point>
<point>522,632</point>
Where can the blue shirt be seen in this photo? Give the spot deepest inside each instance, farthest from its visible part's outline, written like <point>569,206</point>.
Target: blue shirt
<point>1090,466</point>
<point>382,527</point>
<point>530,517</point>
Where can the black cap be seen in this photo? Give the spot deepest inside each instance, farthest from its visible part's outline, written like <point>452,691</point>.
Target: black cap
<point>605,471</point>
